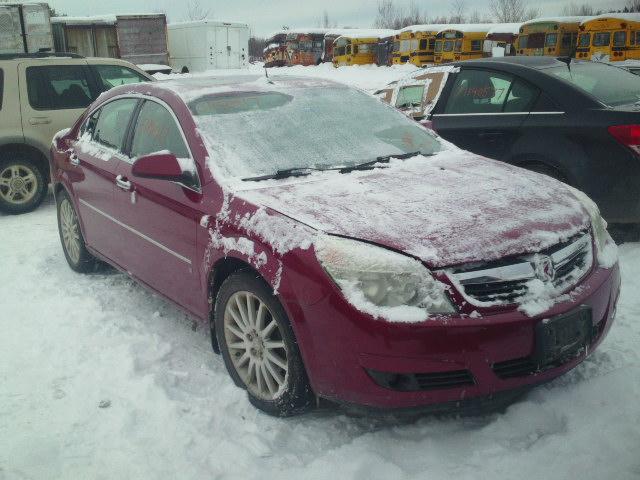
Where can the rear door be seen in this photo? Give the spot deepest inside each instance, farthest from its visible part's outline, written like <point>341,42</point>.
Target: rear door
<point>483,111</point>
<point>53,97</point>
<point>94,159</point>
<point>160,218</point>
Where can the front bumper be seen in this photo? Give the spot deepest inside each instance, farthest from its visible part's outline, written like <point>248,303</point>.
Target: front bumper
<point>341,346</point>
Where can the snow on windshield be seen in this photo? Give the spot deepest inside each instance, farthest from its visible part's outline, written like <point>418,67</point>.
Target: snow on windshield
<point>257,133</point>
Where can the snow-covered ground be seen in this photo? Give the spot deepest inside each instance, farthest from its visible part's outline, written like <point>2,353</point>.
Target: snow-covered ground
<point>101,379</point>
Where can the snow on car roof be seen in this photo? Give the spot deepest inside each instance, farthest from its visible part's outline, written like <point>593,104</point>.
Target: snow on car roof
<point>513,28</point>
<point>572,19</point>
<point>630,17</point>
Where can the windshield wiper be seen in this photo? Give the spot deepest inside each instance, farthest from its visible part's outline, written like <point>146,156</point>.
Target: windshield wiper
<point>384,159</point>
<point>284,173</point>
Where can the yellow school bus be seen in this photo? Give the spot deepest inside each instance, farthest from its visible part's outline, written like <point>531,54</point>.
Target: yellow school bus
<point>460,42</point>
<point>554,36</point>
<point>358,48</point>
<point>402,47</point>
<point>420,42</point>
<point>612,37</point>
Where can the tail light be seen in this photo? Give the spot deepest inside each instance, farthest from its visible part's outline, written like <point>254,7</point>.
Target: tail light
<point>628,135</point>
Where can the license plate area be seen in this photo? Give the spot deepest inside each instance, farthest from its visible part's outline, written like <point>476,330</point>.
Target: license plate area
<point>560,338</point>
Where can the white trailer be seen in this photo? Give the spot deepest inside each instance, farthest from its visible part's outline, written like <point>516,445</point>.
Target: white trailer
<point>207,45</point>
<point>25,28</point>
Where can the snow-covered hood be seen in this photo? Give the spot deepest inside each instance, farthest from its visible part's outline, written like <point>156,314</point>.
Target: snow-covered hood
<point>448,209</point>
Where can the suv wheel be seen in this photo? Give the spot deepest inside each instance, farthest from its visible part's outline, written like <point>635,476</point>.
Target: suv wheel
<point>22,184</point>
<point>75,251</point>
<point>259,348</point>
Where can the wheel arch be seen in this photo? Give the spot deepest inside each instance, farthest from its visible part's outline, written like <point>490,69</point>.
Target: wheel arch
<point>219,272</point>
<point>541,164</point>
<point>32,152</point>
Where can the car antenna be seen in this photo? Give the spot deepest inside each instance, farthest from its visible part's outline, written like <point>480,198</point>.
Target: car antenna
<point>566,61</point>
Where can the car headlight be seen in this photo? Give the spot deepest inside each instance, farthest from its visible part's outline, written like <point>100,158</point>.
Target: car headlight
<point>376,280</point>
<point>606,247</point>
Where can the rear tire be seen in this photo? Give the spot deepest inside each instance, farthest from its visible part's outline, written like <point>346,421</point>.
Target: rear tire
<point>73,245</point>
<point>23,184</point>
<point>259,347</point>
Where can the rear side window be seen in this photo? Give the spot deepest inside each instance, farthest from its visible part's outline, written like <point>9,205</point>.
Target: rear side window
<point>521,97</point>
<point>59,87</point>
<point>156,130</point>
<point>1,87</point>
<point>478,91</point>
<point>111,127</point>
<point>114,75</point>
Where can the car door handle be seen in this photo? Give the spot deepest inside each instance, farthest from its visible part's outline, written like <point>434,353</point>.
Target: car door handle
<point>40,120</point>
<point>74,160</point>
<point>123,183</point>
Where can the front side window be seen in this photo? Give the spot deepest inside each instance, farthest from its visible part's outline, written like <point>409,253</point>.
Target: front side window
<point>59,87</point>
<point>89,126</point>
<point>115,75</point>
<point>619,39</point>
<point>551,40</point>
<point>601,39</point>
<point>112,122</point>
<point>156,130</point>
<point>585,40</point>
<point>360,128</point>
<point>478,91</point>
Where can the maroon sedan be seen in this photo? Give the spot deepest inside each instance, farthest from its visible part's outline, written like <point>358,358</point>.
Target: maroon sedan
<point>336,248</point>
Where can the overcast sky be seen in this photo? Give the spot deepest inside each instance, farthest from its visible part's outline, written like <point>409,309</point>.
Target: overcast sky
<point>265,16</point>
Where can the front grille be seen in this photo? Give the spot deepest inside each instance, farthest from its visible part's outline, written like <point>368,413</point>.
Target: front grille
<point>407,382</point>
<point>506,282</point>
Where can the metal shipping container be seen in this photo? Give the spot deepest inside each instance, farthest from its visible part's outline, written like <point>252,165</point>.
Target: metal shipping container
<point>25,28</point>
<point>139,39</point>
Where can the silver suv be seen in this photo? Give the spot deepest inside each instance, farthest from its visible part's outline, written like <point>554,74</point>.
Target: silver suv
<point>41,94</point>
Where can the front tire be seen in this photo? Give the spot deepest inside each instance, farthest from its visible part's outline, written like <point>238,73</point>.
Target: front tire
<point>259,347</point>
<point>22,184</point>
<point>73,245</point>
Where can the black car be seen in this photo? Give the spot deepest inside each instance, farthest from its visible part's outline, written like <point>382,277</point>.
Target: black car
<point>574,120</point>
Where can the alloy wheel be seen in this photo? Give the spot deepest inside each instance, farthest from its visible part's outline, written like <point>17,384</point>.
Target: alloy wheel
<point>256,345</point>
<point>70,231</point>
<point>18,184</point>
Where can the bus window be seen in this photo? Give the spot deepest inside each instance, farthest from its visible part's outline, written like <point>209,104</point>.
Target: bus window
<point>423,44</point>
<point>396,46</point>
<point>414,45</point>
<point>585,40</point>
<point>458,46</point>
<point>405,45</point>
<point>448,46</point>
<point>476,45</point>
<point>365,48</point>
<point>355,49</point>
<point>566,40</point>
<point>601,39</point>
<point>522,41</point>
<point>619,39</point>
<point>438,46</point>
<point>551,40</point>
<point>432,43</point>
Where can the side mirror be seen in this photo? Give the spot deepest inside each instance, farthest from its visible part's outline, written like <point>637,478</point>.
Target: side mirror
<point>161,166</point>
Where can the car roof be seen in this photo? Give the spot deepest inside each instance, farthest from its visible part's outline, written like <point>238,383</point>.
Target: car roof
<point>536,62</point>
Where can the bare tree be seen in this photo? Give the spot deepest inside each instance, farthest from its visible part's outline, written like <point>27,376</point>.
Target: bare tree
<point>195,11</point>
<point>386,15</point>
<point>633,6</point>
<point>325,19</point>
<point>578,9</point>
<point>531,13</point>
<point>457,10</point>
<point>505,11</point>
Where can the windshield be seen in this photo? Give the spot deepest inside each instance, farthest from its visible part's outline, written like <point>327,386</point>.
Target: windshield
<point>613,86</point>
<point>258,133</point>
